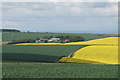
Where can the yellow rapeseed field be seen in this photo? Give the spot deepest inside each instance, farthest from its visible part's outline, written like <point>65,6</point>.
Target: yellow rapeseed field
<point>74,60</point>
<point>103,41</point>
<point>102,54</point>
<point>94,55</point>
<point>100,51</point>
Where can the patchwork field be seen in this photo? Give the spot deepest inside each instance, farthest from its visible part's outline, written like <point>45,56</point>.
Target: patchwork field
<point>96,58</point>
<point>102,51</point>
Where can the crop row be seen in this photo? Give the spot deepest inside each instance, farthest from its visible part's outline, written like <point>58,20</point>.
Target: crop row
<point>58,70</point>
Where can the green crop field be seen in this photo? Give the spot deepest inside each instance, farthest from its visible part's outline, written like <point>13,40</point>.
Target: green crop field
<point>37,53</point>
<point>58,70</point>
<point>9,36</point>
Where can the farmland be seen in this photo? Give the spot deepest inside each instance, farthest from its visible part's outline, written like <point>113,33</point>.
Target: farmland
<point>99,55</point>
<point>58,70</point>
<point>103,54</point>
<point>104,51</point>
<point>109,41</point>
<point>37,53</point>
<point>41,60</point>
<point>100,51</point>
<point>9,36</point>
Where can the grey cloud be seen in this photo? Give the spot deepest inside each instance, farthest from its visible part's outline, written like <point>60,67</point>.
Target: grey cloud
<point>98,4</point>
<point>58,9</point>
<point>62,16</point>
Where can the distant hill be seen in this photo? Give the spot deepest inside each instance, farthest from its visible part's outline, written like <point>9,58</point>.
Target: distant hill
<point>9,30</point>
<point>113,35</point>
<point>10,36</point>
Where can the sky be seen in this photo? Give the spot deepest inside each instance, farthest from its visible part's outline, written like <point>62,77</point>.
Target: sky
<point>77,17</point>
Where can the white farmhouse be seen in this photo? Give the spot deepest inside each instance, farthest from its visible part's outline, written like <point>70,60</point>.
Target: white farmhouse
<point>54,40</point>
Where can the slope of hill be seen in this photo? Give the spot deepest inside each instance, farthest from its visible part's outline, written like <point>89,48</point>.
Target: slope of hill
<point>9,36</point>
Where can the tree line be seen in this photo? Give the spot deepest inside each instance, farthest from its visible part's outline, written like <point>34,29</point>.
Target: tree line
<point>9,30</point>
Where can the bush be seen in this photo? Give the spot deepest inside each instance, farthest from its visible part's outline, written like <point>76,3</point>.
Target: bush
<point>22,41</point>
<point>76,38</point>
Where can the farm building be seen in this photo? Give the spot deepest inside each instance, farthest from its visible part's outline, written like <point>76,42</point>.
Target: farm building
<point>54,40</point>
<point>48,40</point>
<point>41,41</point>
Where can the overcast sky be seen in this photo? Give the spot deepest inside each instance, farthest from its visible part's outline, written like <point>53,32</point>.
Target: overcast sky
<point>95,17</point>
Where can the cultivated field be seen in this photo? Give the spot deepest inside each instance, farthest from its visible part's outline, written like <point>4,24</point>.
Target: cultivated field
<point>109,41</point>
<point>37,53</point>
<point>58,70</point>
<point>9,36</point>
<point>96,58</point>
<point>100,51</point>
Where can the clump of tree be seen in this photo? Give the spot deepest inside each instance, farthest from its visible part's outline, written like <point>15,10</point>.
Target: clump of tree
<point>75,38</point>
<point>9,30</point>
<point>22,41</point>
